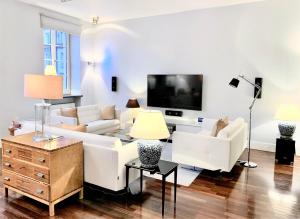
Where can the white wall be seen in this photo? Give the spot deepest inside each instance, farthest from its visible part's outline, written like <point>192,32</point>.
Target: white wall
<point>21,52</point>
<point>257,39</point>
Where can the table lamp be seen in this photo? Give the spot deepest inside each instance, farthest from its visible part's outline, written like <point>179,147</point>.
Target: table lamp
<point>133,104</point>
<point>287,114</point>
<point>149,127</point>
<point>43,87</point>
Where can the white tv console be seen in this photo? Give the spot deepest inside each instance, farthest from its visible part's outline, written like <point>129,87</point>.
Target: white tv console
<point>184,124</point>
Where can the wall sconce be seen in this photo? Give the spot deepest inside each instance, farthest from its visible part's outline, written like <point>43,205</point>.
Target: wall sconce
<point>91,63</point>
<point>95,20</point>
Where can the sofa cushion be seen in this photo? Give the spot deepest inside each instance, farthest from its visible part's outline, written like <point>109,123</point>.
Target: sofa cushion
<point>229,130</point>
<point>101,124</point>
<point>88,114</point>
<point>108,112</point>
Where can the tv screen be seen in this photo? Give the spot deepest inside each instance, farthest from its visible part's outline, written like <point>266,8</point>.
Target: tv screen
<point>175,91</point>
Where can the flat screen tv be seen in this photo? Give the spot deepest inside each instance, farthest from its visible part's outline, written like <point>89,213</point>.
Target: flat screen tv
<point>178,91</point>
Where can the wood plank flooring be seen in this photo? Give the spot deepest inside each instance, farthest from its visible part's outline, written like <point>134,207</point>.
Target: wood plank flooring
<point>269,191</point>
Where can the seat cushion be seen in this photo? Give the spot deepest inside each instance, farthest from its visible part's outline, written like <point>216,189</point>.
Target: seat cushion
<point>101,124</point>
<point>108,112</point>
<point>68,112</point>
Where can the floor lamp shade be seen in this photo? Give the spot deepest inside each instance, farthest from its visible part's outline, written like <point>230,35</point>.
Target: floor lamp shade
<point>43,86</point>
<point>234,82</point>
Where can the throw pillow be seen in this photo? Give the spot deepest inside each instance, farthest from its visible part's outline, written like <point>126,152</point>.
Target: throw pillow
<point>68,112</point>
<point>108,112</point>
<point>220,124</point>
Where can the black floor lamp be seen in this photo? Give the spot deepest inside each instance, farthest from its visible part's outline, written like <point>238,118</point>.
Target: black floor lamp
<point>235,83</point>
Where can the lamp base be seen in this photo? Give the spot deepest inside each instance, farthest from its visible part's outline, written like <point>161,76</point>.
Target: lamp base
<point>41,137</point>
<point>250,164</point>
<point>286,130</point>
<point>149,153</point>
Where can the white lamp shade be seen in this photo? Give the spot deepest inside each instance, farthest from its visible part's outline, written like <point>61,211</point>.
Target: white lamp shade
<point>43,87</point>
<point>149,125</point>
<point>288,112</point>
<point>50,70</point>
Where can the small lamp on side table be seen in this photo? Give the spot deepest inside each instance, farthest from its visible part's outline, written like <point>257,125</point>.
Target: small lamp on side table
<point>133,104</point>
<point>287,115</point>
<point>150,126</point>
<point>45,87</point>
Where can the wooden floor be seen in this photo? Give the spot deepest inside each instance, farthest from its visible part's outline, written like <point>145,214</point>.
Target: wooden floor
<point>269,191</point>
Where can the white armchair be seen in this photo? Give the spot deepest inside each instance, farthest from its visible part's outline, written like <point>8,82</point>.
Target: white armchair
<point>208,152</point>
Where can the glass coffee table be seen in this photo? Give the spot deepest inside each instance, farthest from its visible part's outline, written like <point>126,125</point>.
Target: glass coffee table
<point>164,168</point>
<point>122,134</point>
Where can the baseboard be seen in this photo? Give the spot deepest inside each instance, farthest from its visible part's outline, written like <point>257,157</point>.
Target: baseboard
<point>263,146</point>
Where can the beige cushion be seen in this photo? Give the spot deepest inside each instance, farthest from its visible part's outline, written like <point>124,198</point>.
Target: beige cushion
<point>68,112</point>
<point>219,125</point>
<point>231,129</point>
<point>78,128</point>
<point>108,112</point>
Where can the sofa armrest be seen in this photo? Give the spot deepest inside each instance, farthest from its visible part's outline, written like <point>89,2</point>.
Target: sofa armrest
<point>100,166</point>
<point>127,153</point>
<point>55,120</point>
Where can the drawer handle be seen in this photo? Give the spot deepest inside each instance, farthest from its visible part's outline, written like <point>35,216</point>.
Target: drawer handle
<point>41,160</point>
<point>6,178</point>
<point>39,191</point>
<point>7,164</point>
<point>8,151</point>
<point>41,175</point>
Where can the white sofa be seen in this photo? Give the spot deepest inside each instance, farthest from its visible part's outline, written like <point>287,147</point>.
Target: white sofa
<point>89,116</point>
<point>104,157</point>
<point>213,153</point>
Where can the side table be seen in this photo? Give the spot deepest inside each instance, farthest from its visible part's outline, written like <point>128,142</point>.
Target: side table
<point>285,150</point>
<point>164,168</point>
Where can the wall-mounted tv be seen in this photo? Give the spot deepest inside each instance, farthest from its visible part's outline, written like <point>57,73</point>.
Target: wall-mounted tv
<point>180,91</point>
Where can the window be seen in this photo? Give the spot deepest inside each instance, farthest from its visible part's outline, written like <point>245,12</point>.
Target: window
<point>56,52</point>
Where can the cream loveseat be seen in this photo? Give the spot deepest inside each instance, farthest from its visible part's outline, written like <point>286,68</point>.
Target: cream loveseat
<point>89,116</point>
<point>104,157</point>
<point>213,153</point>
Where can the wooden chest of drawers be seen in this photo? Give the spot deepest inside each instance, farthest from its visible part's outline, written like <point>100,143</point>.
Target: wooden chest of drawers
<point>48,171</point>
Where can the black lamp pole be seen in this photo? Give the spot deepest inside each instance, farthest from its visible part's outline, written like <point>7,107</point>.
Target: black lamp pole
<point>234,83</point>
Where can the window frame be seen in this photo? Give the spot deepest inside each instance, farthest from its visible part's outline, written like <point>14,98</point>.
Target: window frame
<point>53,46</point>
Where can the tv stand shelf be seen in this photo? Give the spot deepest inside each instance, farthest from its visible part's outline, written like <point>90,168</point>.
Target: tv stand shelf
<point>184,124</point>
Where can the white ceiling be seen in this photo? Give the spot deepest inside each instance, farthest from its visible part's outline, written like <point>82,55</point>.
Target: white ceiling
<point>112,10</point>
